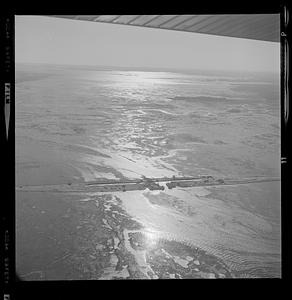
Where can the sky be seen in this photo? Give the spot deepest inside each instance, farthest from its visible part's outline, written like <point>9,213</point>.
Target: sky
<point>40,39</point>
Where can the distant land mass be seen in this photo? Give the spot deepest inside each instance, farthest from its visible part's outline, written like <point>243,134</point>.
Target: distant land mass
<point>209,72</point>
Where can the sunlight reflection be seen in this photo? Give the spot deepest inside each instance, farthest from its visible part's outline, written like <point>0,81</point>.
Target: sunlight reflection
<point>151,238</point>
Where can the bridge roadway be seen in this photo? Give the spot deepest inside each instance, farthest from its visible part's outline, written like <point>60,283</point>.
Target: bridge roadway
<point>141,184</point>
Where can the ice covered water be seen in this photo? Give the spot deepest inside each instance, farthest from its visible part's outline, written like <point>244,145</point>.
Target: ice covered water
<point>77,124</point>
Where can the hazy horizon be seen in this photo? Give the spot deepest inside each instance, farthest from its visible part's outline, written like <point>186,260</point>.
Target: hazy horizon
<point>144,68</point>
<point>48,40</point>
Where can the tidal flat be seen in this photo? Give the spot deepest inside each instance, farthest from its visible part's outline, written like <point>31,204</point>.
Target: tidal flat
<point>75,125</point>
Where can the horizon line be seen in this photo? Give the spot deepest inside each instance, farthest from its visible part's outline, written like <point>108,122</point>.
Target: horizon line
<point>151,67</point>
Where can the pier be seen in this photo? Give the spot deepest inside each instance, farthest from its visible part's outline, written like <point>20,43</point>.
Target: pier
<point>110,185</point>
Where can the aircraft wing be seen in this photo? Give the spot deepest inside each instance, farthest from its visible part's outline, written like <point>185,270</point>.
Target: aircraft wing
<point>265,27</point>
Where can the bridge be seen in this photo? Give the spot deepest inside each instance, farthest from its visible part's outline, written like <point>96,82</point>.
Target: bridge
<point>109,185</point>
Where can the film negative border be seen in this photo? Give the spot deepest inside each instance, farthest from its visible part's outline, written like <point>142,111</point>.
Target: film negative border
<point>285,145</point>
<point>7,46</point>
